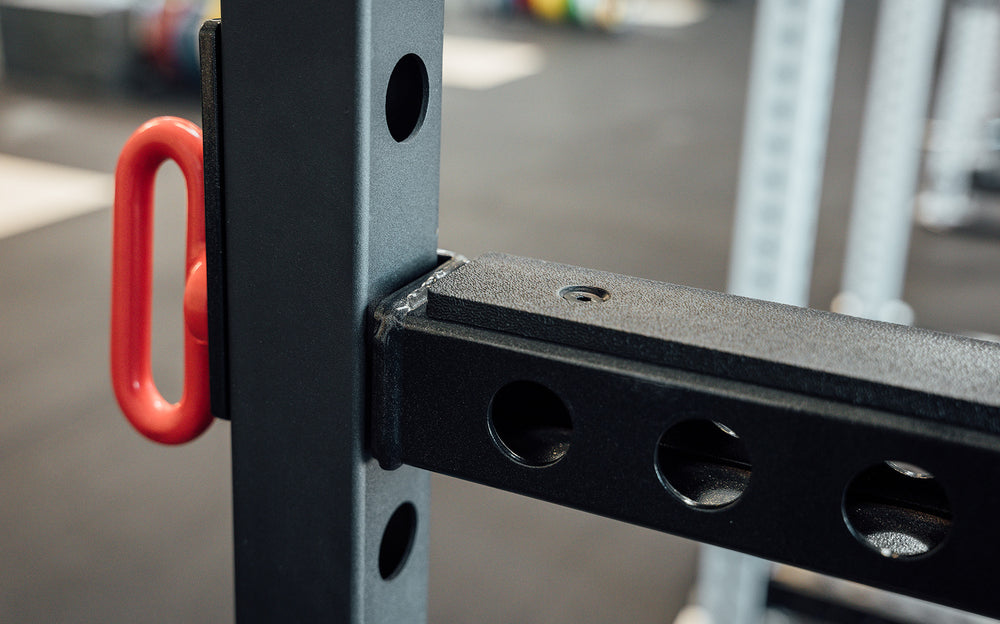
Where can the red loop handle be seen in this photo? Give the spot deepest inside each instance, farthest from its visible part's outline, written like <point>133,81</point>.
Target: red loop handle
<point>153,143</point>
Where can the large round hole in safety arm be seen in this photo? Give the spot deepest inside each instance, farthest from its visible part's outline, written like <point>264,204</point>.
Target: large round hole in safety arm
<point>530,423</point>
<point>897,509</point>
<point>704,463</point>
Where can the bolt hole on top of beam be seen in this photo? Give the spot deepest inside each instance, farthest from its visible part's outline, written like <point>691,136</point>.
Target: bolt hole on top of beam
<point>584,294</point>
<point>530,424</point>
<point>898,509</point>
<point>406,97</point>
<point>397,541</point>
<point>704,463</point>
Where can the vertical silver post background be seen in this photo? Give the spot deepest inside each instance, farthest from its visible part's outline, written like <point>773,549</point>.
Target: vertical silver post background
<point>325,213</point>
<point>784,148</point>
<point>899,86</point>
<point>969,78</point>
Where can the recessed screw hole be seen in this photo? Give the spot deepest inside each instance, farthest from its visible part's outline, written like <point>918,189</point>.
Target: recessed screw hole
<point>406,97</point>
<point>704,463</point>
<point>530,423</point>
<point>397,541</point>
<point>898,509</point>
<point>584,294</point>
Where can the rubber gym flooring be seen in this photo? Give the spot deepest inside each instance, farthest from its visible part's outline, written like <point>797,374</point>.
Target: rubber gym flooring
<point>620,154</point>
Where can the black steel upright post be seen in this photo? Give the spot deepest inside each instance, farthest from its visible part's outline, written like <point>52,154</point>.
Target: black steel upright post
<point>331,128</point>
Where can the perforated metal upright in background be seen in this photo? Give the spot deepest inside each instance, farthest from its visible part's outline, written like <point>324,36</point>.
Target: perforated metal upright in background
<point>892,137</point>
<point>324,214</point>
<point>784,148</point>
<point>970,76</point>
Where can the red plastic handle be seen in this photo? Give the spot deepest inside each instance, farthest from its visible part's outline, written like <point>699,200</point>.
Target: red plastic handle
<point>153,143</point>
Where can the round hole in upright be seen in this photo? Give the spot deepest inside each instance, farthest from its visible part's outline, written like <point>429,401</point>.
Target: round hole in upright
<point>898,509</point>
<point>703,463</point>
<point>406,97</point>
<point>397,541</point>
<point>530,423</point>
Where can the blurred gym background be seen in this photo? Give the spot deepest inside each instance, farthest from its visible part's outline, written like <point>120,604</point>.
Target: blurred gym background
<point>599,133</point>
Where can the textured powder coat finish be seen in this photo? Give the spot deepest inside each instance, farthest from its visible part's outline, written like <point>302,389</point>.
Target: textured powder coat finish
<point>325,213</point>
<point>869,363</point>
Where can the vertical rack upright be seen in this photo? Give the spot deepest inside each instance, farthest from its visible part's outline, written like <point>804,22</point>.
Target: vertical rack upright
<point>325,212</point>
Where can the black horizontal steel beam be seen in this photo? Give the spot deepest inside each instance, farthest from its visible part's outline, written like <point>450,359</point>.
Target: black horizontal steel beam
<point>858,449</point>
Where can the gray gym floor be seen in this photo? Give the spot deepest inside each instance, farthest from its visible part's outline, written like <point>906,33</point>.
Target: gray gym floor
<point>620,155</point>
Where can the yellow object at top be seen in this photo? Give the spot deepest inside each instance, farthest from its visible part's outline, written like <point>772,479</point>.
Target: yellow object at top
<point>213,9</point>
<point>553,10</point>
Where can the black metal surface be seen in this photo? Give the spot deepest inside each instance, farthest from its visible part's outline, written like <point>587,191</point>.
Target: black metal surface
<point>882,365</point>
<point>209,40</point>
<point>383,441</point>
<point>803,447</point>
